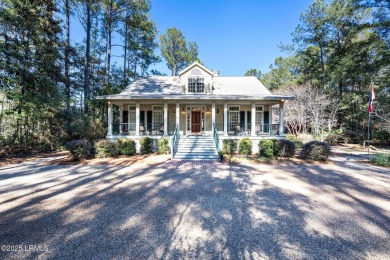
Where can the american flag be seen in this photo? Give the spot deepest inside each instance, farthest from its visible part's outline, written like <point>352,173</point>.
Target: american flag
<point>372,97</point>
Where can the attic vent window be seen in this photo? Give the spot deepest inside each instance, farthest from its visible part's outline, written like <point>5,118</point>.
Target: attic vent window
<point>195,85</point>
<point>195,72</point>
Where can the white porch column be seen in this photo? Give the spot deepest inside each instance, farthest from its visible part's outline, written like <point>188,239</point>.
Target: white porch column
<point>253,120</point>
<point>109,118</point>
<point>165,119</point>
<point>137,119</point>
<point>225,119</point>
<point>178,115</point>
<point>121,109</point>
<point>212,116</point>
<point>281,118</point>
<point>270,119</point>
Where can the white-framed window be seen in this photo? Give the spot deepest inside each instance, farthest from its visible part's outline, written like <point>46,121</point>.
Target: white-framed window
<point>132,117</point>
<point>158,117</point>
<point>259,117</point>
<point>234,116</point>
<point>195,85</point>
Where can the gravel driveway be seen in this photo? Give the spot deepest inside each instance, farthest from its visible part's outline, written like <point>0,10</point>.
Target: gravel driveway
<point>180,210</point>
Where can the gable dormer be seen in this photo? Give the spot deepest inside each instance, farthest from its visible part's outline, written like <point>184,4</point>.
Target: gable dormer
<point>196,79</point>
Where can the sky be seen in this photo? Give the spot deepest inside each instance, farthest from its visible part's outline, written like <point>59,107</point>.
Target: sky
<point>233,36</point>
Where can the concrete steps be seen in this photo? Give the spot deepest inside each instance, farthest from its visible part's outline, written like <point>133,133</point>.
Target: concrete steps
<point>196,147</point>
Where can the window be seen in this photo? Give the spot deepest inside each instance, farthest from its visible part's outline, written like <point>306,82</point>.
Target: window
<point>259,118</point>
<point>234,117</point>
<point>132,118</point>
<point>195,85</point>
<point>158,117</point>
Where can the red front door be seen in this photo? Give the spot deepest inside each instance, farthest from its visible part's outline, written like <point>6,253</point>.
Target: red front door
<point>195,124</point>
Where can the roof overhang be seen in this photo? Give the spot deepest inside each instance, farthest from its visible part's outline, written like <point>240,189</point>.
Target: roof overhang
<point>153,97</point>
<point>194,65</point>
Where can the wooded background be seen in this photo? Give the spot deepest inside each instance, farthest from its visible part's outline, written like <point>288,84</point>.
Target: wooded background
<point>49,84</point>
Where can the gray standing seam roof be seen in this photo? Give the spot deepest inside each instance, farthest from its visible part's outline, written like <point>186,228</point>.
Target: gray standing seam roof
<point>168,85</point>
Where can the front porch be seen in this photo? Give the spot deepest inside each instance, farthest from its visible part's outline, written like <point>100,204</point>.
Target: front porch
<point>230,119</point>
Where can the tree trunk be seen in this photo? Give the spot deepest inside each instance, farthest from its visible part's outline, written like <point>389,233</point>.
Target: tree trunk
<point>125,54</point>
<point>67,62</point>
<point>87,58</point>
<point>322,67</point>
<point>108,51</point>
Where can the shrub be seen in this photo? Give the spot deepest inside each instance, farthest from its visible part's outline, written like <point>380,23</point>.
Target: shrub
<point>126,146</point>
<point>245,146</point>
<point>229,146</point>
<point>104,149</point>
<point>284,148</point>
<point>293,138</point>
<point>266,148</point>
<point>162,146</point>
<point>381,159</point>
<point>79,149</point>
<point>146,145</point>
<point>315,150</point>
<point>305,138</point>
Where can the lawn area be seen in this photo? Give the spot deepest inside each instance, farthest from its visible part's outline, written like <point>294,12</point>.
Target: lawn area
<point>155,208</point>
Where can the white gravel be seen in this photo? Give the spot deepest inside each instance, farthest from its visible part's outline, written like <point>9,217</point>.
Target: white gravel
<point>183,210</point>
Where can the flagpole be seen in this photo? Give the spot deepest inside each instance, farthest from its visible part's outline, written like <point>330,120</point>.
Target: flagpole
<point>368,133</point>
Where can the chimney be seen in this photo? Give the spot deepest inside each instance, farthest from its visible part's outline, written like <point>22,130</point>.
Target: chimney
<point>215,73</point>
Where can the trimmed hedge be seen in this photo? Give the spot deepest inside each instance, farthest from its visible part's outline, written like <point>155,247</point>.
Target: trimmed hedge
<point>284,148</point>
<point>266,148</point>
<point>229,146</point>
<point>79,149</point>
<point>146,145</point>
<point>104,149</point>
<point>315,150</point>
<point>126,146</point>
<point>162,146</point>
<point>298,143</point>
<point>245,146</point>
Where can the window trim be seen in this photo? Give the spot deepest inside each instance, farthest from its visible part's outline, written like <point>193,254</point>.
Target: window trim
<point>196,85</point>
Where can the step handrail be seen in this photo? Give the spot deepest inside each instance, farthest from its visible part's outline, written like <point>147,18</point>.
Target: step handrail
<point>216,137</point>
<point>175,138</point>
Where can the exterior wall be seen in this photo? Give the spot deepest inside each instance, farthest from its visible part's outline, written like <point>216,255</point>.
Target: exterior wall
<point>183,119</point>
<point>190,74</point>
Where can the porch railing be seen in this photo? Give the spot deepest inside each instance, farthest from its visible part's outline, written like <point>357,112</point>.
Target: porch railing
<point>175,139</point>
<point>216,138</point>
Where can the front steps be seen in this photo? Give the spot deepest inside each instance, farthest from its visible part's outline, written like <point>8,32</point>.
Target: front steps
<point>196,147</point>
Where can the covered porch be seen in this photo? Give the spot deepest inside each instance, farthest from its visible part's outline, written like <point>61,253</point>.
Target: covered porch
<point>128,119</point>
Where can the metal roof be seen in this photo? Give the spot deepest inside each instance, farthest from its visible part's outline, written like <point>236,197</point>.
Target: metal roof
<point>168,87</point>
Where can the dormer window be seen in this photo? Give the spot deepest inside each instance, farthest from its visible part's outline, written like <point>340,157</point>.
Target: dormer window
<point>195,85</point>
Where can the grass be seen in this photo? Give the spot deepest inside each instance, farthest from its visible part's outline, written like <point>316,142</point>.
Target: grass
<point>382,159</point>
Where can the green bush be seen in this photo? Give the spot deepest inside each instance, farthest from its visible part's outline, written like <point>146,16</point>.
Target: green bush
<point>382,135</point>
<point>162,146</point>
<point>284,148</point>
<point>266,148</point>
<point>381,159</point>
<point>293,138</point>
<point>245,146</point>
<point>315,150</point>
<point>229,146</point>
<point>126,146</point>
<point>146,145</point>
<point>79,149</point>
<point>104,149</point>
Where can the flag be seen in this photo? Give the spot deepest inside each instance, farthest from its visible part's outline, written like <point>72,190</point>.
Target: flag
<point>372,97</point>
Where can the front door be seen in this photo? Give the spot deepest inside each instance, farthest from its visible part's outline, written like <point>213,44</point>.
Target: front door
<point>195,124</point>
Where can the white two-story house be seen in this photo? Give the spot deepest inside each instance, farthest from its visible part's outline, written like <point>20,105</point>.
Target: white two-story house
<point>198,101</point>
